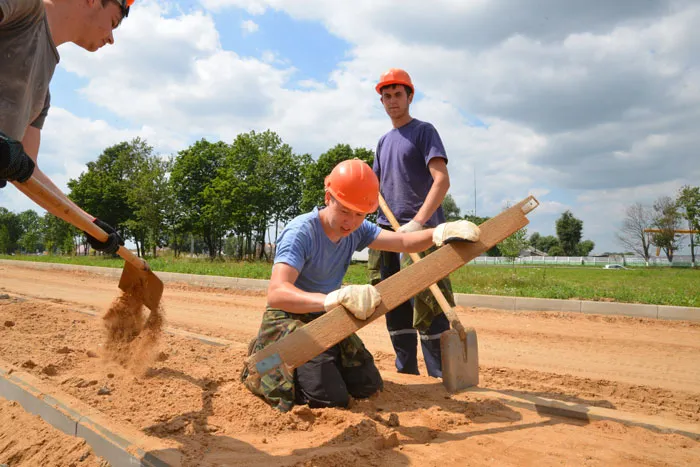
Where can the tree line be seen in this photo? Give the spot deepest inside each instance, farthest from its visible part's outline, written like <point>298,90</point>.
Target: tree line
<point>666,216</point>
<point>212,198</point>
<point>222,199</point>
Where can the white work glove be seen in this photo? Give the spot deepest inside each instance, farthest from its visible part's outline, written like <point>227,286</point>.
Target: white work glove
<point>458,230</point>
<point>360,300</point>
<point>411,226</point>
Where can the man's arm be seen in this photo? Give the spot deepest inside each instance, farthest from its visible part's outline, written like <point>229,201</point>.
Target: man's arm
<point>283,294</point>
<point>437,193</point>
<point>31,143</point>
<point>412,242</point>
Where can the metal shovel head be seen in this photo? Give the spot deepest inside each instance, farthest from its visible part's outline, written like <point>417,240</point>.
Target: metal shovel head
<point>460,360</point>
<point>143,284</point>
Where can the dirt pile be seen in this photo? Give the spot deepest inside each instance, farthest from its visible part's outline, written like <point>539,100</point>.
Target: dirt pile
<point>38,443</point>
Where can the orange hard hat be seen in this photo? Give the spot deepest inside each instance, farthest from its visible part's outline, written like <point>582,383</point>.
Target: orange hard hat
<point>394,76</point>
<point>354,185</point>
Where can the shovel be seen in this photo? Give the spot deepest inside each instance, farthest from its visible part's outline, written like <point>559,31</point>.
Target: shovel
<point>458,346</point>
<point>137,277</point>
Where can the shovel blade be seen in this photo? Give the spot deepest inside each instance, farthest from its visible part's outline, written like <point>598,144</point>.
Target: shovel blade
<point>144,284</point>
<point>460,360</point>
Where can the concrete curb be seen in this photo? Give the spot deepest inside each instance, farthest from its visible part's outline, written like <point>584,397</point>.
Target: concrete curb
<point>119,445</point>
<point>555,407</point>
<point>465,300</point>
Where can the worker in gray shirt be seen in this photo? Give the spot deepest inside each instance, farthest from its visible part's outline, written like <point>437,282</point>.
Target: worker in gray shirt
<point>30,32</point>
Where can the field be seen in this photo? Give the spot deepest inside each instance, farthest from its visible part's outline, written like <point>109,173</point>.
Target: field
<point>657,286</point>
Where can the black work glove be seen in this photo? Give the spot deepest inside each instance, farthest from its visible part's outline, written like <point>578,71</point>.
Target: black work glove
<point>113,241</point>
<point>15,164</point>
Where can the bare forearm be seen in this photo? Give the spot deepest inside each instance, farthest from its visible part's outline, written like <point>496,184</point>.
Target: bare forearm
<point>433,200</point>
<point>31,143</point>
<point>293,300</point>
<point>411,242</point>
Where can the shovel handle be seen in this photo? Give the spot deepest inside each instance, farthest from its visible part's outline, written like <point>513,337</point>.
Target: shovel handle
<point>47,199</point>
<point>439,296</point>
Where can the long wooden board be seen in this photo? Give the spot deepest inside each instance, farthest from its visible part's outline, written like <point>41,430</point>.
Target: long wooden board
<point>314,338</point>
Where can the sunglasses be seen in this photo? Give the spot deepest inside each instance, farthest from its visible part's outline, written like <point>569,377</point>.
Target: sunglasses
<point>125,5</point>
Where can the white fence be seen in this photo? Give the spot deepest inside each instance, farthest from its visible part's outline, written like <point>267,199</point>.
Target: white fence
<point>681,260</point>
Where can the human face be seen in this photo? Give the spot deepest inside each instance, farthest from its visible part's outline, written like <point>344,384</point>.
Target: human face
<point>341,220</point>
<point>99,22</point>
<point>396,101</point>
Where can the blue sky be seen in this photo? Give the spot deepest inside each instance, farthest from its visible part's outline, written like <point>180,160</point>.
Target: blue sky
<point>547,99</point>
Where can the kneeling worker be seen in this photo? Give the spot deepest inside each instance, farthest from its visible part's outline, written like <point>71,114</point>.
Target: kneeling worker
<point>313,253</point>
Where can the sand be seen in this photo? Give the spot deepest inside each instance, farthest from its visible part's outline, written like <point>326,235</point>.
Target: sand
<point>26,440</point>
<point>189,395</point>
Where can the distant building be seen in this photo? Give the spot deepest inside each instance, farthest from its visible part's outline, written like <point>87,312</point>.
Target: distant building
<point>531,251</point>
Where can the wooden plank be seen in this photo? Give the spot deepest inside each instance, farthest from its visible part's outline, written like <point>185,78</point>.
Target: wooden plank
<point>314,338</point>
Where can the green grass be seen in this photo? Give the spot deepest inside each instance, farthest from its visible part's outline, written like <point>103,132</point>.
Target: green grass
<point>658,286</point>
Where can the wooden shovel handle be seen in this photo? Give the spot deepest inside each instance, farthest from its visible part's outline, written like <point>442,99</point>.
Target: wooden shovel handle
<point>439,296</point>
<point>47,199</point>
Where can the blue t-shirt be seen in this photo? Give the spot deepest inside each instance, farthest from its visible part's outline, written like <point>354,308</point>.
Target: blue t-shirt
<point>401,164</point>
<point>321,263</point>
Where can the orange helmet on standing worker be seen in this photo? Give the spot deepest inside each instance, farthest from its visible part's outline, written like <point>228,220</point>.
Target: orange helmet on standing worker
<point>394,76</point>
<point>354,185</point>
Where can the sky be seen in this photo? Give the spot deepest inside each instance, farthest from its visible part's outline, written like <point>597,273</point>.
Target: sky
<point>589,105</point>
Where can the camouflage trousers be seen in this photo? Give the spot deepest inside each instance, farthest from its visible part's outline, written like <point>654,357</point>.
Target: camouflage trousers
<point>278,387</point>
<point>425,306</point>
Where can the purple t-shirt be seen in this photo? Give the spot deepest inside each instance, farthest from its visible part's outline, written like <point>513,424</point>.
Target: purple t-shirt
<point>401,164</point>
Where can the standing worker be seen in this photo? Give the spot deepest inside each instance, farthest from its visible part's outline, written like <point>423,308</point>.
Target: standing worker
<point>313,254</point>
<point>411,164</point>
<point>30,31</point>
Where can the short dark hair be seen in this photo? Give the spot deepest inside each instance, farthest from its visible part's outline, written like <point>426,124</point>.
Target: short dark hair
<point>408,89</point>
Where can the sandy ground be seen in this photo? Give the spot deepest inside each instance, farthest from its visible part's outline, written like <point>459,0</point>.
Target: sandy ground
<point>190,396</point>
<point>38,443</point>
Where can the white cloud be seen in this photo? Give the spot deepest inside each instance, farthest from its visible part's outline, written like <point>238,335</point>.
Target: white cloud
<point>589,106</point>
<point>249,26</point>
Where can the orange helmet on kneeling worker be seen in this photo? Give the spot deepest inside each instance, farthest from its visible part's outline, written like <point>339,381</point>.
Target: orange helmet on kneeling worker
<point>354,185</point>
<point>394,76</point>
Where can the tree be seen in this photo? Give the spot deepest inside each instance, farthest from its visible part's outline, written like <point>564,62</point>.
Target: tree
<point>103,189</point>
<point>265,178</point>
<point>148,198</point>
<point>667,219</point>
<point>688,202</point>
<point>204,202</point>
<point>511,246</point>
<point>59,236</point>
<point>10,231</point>
<point>569,231</point>
<point>31,240</point>
<point>556,250</point>
<point>585,247</point>
<point>631,234</point>
<point>450,208</point>
<point>541,243</point>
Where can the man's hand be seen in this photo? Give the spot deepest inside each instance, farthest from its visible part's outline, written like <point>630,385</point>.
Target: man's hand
<point>113,241</point>
<point>15,164</point>
<point>360,300</point>
<point>455,231</point>
<point>411,226</point>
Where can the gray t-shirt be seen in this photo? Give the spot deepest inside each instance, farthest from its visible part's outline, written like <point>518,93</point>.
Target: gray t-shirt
<point>401,164</point>
<point>28,58</point>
